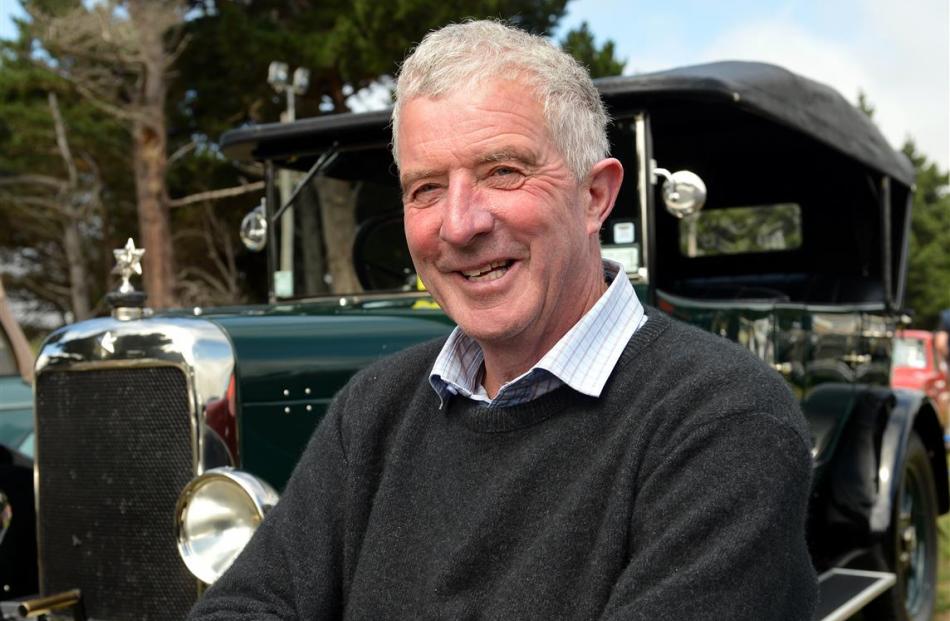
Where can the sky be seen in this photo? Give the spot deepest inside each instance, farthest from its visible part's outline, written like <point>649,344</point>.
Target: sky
<point>896,51</point>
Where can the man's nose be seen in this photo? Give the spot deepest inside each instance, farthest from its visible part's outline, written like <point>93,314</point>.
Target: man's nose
<point>466,214</point>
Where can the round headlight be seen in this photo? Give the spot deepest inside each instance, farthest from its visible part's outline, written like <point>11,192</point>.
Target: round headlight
<point>217,514</point>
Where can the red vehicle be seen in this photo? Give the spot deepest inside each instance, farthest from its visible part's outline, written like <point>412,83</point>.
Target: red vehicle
<point>917,365</point>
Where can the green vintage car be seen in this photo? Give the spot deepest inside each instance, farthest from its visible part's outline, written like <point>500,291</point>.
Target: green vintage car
<point>17,517</point>
<point>757,204</point>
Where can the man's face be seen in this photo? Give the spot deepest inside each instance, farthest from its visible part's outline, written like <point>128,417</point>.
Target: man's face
<point>496,223</point>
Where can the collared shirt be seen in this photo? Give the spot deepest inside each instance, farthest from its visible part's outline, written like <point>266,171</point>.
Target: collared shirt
<point>583,358</point>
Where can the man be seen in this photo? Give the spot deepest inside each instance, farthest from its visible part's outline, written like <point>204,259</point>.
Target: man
<point>563,454</point>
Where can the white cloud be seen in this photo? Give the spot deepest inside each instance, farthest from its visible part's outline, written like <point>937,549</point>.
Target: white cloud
<point>897,55</point>
<point>376,96</point>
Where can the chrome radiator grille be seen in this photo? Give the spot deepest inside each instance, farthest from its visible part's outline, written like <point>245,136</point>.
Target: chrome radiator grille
<point>114,450</point>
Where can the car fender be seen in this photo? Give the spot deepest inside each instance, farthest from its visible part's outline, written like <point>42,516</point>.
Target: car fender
<point>911,411</point>
<point>849,454</point>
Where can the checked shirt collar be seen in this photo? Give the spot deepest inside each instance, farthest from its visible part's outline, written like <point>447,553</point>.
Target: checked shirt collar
<point>583,359</point>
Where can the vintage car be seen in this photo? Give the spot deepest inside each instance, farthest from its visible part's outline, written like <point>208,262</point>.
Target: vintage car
<point>17,518</point>
<point>163,437</point>
<point>919,366</point>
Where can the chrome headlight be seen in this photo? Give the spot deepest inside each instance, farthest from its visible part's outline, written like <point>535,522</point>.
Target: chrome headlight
<point>217,514</point>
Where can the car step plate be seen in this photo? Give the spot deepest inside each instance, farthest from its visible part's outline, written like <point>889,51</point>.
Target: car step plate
<point>843,592</point>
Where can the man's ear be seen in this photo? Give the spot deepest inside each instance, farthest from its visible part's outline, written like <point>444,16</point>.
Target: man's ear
<point>601,192</point>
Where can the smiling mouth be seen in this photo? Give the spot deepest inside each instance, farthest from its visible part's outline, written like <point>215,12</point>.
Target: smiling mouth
<point>492,271</point>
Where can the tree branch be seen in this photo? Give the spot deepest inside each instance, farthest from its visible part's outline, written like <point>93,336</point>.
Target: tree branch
<point>47,181</point>
<point>212,231</point>
<point>209,279</point>
<point>96,101</point>
<point>45,289</point>
<point>214,195</point>
<point>36,201</point>
<point>181,151</point>
<point>62,142</point>
<point>177,51</point>
<point>254,169</point>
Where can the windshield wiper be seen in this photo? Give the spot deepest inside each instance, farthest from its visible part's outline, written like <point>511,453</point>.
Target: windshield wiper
<point>324,161</point>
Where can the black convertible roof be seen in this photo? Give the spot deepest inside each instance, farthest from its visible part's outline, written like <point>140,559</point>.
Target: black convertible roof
<point>761,89</point>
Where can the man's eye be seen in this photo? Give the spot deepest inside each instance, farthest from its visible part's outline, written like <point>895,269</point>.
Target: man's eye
<point>424,193</point>
<point>505,177</point>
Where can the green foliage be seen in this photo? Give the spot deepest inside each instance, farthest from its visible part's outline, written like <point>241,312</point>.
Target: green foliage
<point>600,62</point>
<point>928,265</point>
<point>217,83</point>
<point>740,230</point>
<point>865,106</point>
<point>346,44</point>
<point>31,213</point>
<point>928,278</point>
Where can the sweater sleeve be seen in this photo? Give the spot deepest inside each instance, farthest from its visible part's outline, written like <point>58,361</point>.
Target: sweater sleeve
<point>276,577</point>
<point>718,528</point>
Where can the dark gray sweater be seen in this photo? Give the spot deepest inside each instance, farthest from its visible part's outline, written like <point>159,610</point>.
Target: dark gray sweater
<point>679,494</point>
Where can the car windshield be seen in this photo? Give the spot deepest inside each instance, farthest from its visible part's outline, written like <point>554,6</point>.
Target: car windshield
<point>353,206</point>
<point>910,352</point>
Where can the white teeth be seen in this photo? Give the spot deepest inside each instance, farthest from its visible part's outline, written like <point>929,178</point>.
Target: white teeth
<point>492,275</point>
<point>492,271</point>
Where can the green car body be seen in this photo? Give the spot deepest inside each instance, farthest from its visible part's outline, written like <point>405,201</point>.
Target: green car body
<point>275,426</point>
<point>802,260</point>
<point>16,413</point>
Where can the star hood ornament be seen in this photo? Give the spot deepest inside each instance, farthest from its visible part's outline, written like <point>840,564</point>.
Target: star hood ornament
<point>128,261</point>
<point>126,302</point>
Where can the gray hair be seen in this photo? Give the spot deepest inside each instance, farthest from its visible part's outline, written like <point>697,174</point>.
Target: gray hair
<point>459,55</point>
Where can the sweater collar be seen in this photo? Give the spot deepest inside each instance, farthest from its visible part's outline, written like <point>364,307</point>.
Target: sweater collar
<point>583,358</point>
<point>479,418</point>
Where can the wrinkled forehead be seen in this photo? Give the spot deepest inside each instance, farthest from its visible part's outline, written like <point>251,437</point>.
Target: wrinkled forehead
<point>474,87</point>
<point>490,114</point>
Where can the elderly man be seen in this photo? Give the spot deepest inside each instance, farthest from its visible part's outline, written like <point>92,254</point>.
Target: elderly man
<point>564,454</point>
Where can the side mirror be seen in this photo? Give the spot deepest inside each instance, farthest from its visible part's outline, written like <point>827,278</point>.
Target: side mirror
<point>684,192</point>
<point>254,229</point>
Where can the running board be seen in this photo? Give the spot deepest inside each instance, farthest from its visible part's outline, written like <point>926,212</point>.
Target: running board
<point>843,592</point>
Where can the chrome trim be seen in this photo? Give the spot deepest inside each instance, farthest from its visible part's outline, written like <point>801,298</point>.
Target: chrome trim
<point>259,492</point>
<point>353,299</point>
<point>751,305</point>
<point>199,348</point>
<point>128,261</point>
<point>643,183</point>
<point>785,368</point>
<point>43,606</point>
<point>855,359</point>
<point>883,581</point>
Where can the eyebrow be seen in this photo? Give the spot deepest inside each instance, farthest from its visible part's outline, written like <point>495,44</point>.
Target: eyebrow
<point>408,179</point>
<point>508,154</point>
